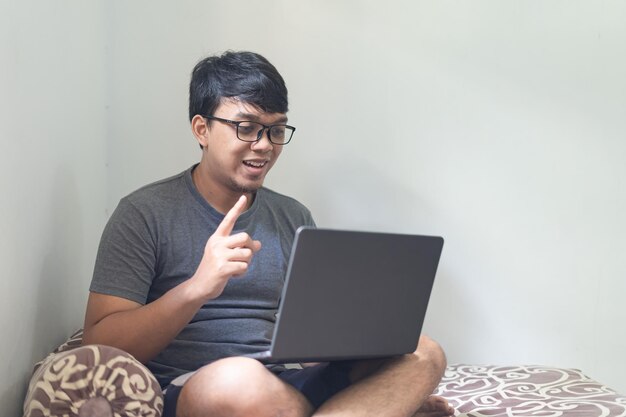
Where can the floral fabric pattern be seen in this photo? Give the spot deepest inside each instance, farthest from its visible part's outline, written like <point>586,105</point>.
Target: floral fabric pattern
<point>512,391</point>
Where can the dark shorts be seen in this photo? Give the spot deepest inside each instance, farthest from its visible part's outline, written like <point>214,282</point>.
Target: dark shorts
<point>317,383</point>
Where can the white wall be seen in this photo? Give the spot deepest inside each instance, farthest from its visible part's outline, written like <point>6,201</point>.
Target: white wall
<point>497,124</point>
<point>52,177</point>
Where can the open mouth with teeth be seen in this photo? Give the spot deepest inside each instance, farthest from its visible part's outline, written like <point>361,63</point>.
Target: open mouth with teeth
<point>255,164</point>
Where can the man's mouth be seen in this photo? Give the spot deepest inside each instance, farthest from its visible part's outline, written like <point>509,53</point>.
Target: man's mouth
<point>255,164</point>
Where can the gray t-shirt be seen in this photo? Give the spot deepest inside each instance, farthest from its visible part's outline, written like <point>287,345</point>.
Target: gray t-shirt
<point>155,240</point>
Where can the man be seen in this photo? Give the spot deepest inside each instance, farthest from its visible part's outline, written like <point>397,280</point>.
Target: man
<point>190,270</point>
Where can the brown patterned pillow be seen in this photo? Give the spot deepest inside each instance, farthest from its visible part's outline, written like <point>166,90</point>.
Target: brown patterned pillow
<point>92,380</point>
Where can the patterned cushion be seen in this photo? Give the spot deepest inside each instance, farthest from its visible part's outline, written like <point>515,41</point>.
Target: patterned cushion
<point>511,391</point>
<point>81,376</point>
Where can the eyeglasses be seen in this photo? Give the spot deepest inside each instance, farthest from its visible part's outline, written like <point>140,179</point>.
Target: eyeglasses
<point>253,131</point>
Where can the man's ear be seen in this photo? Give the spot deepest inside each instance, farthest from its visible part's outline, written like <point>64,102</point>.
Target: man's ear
<point>200,130</point>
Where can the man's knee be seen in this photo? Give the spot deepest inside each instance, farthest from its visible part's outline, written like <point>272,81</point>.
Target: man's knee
<point>231,387</point>
<point>431,350</point>
<point>222,387</point>
<point>232,375</point>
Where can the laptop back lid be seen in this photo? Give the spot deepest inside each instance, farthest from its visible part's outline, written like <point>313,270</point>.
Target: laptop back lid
<point>354,295</point>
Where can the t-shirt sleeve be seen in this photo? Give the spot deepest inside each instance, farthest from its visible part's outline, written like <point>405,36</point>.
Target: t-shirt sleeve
<point>126,260</point>
<point>308,219</point>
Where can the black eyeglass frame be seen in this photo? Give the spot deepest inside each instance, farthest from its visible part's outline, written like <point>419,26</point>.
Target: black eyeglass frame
<point>260,133</point>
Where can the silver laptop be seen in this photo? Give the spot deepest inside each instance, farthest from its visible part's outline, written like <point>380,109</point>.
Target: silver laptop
<point>353,295</point>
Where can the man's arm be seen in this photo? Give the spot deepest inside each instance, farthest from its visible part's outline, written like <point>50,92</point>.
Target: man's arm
<point>145,330</point>
<point>141,330</point>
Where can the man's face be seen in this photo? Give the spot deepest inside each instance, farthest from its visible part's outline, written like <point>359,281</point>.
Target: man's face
<point>234,165</point>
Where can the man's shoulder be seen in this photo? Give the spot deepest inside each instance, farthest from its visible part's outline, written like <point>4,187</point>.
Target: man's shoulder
<point>164,188</point>
<point>157,199</point>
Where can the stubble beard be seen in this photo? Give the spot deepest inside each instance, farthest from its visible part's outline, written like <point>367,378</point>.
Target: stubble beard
<point>242,189</point>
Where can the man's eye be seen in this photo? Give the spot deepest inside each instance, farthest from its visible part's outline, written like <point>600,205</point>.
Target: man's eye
<point>247,128</point>
<point>278,131</point>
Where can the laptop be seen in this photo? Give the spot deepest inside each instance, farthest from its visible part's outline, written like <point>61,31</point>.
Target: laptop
<point>353,295</point>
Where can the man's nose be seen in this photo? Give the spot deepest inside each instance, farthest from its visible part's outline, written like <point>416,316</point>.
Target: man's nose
<point>263,143</point>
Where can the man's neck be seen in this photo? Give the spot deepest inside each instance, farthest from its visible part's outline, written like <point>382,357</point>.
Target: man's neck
<point>220,198</point>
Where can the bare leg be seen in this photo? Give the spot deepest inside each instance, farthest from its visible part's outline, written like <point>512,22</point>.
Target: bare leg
<point>239,387</point>
<point>398,387</point>
<point>435,406</point>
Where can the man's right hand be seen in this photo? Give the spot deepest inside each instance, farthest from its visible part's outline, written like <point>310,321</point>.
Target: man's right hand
<point>225,255</point>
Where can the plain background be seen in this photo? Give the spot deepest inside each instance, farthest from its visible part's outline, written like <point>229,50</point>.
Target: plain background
<point>498,125</point>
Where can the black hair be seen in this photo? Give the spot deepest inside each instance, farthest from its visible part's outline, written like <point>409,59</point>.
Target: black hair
<point>246,76</point>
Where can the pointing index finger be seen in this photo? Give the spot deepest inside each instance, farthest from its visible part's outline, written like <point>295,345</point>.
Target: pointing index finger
<point>228,222</point>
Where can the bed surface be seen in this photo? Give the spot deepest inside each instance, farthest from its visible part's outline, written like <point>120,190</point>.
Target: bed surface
<point>70,377</point>
<point>536,391</point>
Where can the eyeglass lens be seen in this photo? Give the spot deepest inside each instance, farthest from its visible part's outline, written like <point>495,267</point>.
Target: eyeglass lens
<point>251,132</point>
